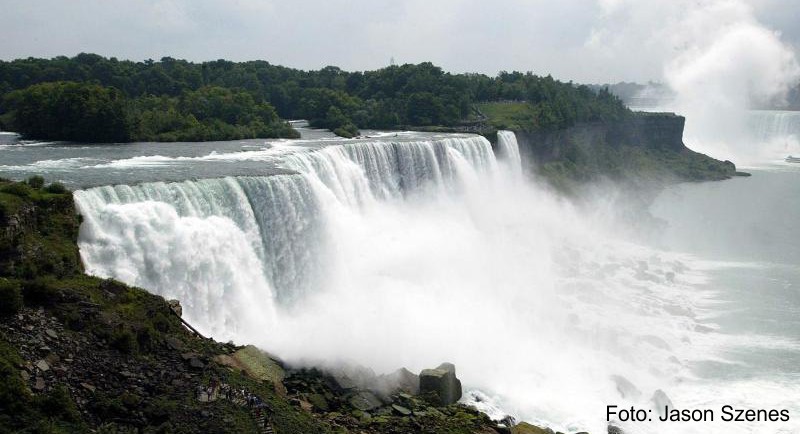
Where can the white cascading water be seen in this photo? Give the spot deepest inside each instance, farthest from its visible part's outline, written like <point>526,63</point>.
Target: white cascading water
<point>778,132</point>
<point>393,254</point>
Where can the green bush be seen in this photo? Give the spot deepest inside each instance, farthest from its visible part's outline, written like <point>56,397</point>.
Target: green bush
<point>17,189</point>
<point>124,340</point>
<point>347,131</point>
<point>41,291</point>
<point>58,404</point>
<point>36,181</point>
<point>56,188</point>
<point>10,298</point>
<point>146,338</point>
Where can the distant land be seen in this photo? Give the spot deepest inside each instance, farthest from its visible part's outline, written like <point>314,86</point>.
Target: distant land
<point>92,98</point>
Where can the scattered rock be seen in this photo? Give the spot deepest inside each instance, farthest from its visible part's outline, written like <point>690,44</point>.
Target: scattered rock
<point>402,410</point>
<point>174,343</point>
<point>42,365</point>
<point>188,356</point>
<point>51,333</point>
<point>88,387</point>
<point>39,384</point>
<point>365,401</point>
<point>52,359</point>
<point>442,382</point>
<point>341,382</point>
<point>196,363</point>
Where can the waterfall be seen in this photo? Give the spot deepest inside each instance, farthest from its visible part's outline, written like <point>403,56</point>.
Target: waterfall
<point>265,239</point>
<point>406,253</point>
<point>509,151</point>
<point>781,129</point>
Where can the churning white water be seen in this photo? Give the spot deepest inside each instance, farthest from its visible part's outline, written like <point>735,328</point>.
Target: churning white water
<point>409,253</point>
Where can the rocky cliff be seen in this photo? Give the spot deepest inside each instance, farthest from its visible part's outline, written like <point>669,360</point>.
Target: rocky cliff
<point>642,147</point>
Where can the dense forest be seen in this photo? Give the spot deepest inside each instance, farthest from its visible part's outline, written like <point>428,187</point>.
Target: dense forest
<point>92,98</point>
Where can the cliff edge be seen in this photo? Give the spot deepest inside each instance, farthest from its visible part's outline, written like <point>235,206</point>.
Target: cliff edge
<point>641,148</point>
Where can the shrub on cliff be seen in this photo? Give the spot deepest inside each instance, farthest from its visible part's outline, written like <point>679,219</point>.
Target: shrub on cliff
<point>17,189</point>
<point>56,188</point>
<point>36,181</point>
<point>41,291</point>
<point>10,297</point>
<point>347,131</point>
<point>124,340</point>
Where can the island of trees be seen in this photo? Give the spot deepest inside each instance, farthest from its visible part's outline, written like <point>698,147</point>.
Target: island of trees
<point>91,98</point>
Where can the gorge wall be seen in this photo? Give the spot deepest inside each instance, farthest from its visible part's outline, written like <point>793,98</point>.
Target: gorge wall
<point>644,146</point>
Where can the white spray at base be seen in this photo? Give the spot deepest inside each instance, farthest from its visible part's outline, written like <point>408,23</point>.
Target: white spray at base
<point>392,254</point>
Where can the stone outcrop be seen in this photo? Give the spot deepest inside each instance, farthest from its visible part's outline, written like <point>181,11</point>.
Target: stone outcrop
<point>645,144</point>
<point>442,383</point>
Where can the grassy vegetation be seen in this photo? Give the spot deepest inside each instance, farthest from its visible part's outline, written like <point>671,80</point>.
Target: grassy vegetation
<point>516,116</point>
<point>48,245</point>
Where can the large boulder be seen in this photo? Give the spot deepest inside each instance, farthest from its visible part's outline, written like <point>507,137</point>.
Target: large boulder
<point>399,381</point>
<point>441,383</point>
<point>365,401</point>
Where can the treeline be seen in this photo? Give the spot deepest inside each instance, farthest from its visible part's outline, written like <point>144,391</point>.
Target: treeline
<point>165,100</point>
<point>87,112</point>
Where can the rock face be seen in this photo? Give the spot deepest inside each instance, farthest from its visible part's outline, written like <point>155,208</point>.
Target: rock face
<point>401,380</point>
<point>176,307</point>
<point>593,149</point>
<point>651,130</point>
<point>441,382</point>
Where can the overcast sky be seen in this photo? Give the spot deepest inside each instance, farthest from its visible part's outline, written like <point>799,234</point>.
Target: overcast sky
<point>582,40</point>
